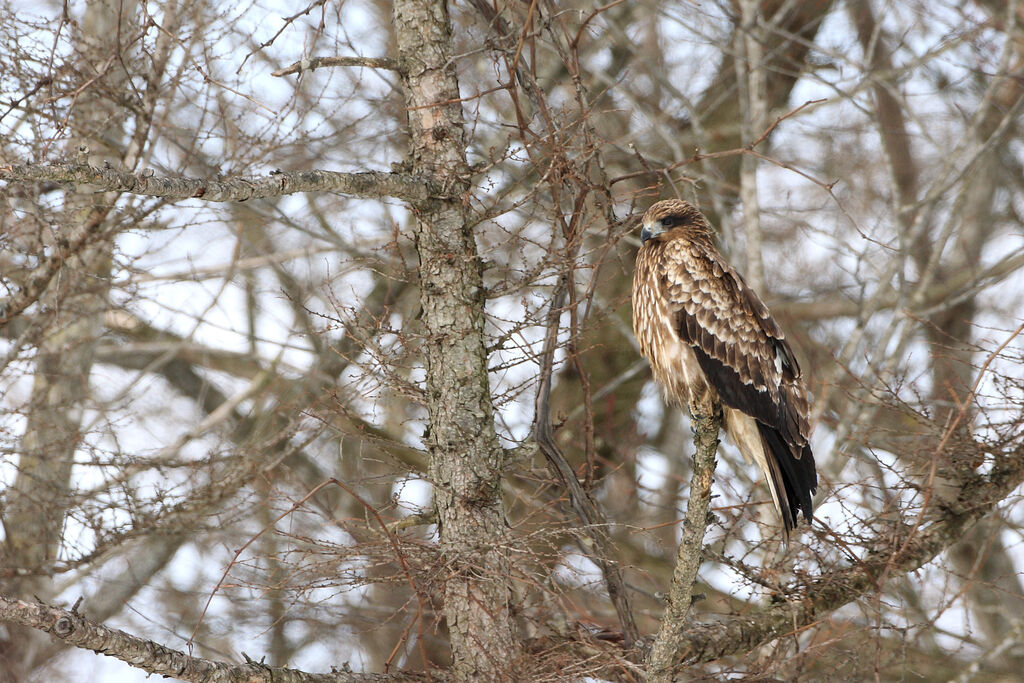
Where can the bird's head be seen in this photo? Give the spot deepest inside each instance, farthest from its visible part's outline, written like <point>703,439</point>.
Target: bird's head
<point>668,214</point>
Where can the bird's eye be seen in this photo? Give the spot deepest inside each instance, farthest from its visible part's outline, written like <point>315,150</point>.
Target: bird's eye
<point>669,221</point>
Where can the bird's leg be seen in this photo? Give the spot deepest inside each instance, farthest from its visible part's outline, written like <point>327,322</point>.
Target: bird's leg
<point>704,405</point>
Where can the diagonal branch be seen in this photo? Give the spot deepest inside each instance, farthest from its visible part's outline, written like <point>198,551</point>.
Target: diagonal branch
<point>147,655</point>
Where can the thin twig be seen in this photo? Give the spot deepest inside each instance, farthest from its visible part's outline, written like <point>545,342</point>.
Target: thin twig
<point>593,518</point>
<point>393,540</point>
<point>309,64</point>
<point>239,551</point>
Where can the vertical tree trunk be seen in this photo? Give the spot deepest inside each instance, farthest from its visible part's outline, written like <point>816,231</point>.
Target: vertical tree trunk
<point>750,81</point>
<point>465,456</point>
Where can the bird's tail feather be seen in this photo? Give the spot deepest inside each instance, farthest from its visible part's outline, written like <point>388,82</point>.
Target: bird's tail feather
<point>793,480</point>
<point>777,486</point>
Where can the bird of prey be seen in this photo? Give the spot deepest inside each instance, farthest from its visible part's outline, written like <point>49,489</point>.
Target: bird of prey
<point>704,330</point>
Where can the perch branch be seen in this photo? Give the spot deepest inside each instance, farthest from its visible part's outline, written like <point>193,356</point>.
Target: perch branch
<point>812,598</point>
<point>669,641</point>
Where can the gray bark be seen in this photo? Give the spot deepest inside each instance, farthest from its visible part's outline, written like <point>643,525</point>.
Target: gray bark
<point>74,629</point>
<point>670,638</point>
<point>465,456</point>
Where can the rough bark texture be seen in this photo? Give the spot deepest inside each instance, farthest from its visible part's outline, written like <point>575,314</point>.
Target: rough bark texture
<point>277,184</point>
<point>465,456</point>
<point>669,641</point>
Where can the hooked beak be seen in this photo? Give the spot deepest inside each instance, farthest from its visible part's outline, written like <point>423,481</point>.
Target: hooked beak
<point>650,230</point>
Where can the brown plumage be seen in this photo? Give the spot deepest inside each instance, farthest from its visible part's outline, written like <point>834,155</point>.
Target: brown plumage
<point>704,330</point>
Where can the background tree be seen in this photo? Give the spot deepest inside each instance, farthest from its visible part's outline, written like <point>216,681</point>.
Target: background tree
<point>316,352</point>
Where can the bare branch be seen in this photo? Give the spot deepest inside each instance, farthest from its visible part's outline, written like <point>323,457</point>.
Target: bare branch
<point>812,598</point>
<point>77,631</point>
<point>317,62</point>
<point>946,293</point>
<point>39,279</point>
<point>373,184</point>
<point>594,519</point>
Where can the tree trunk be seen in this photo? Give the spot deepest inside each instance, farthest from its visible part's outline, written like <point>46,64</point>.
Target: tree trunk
<point>465,456</point>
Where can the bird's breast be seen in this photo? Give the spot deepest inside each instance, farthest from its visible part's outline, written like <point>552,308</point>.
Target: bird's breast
<point>673,362</point>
